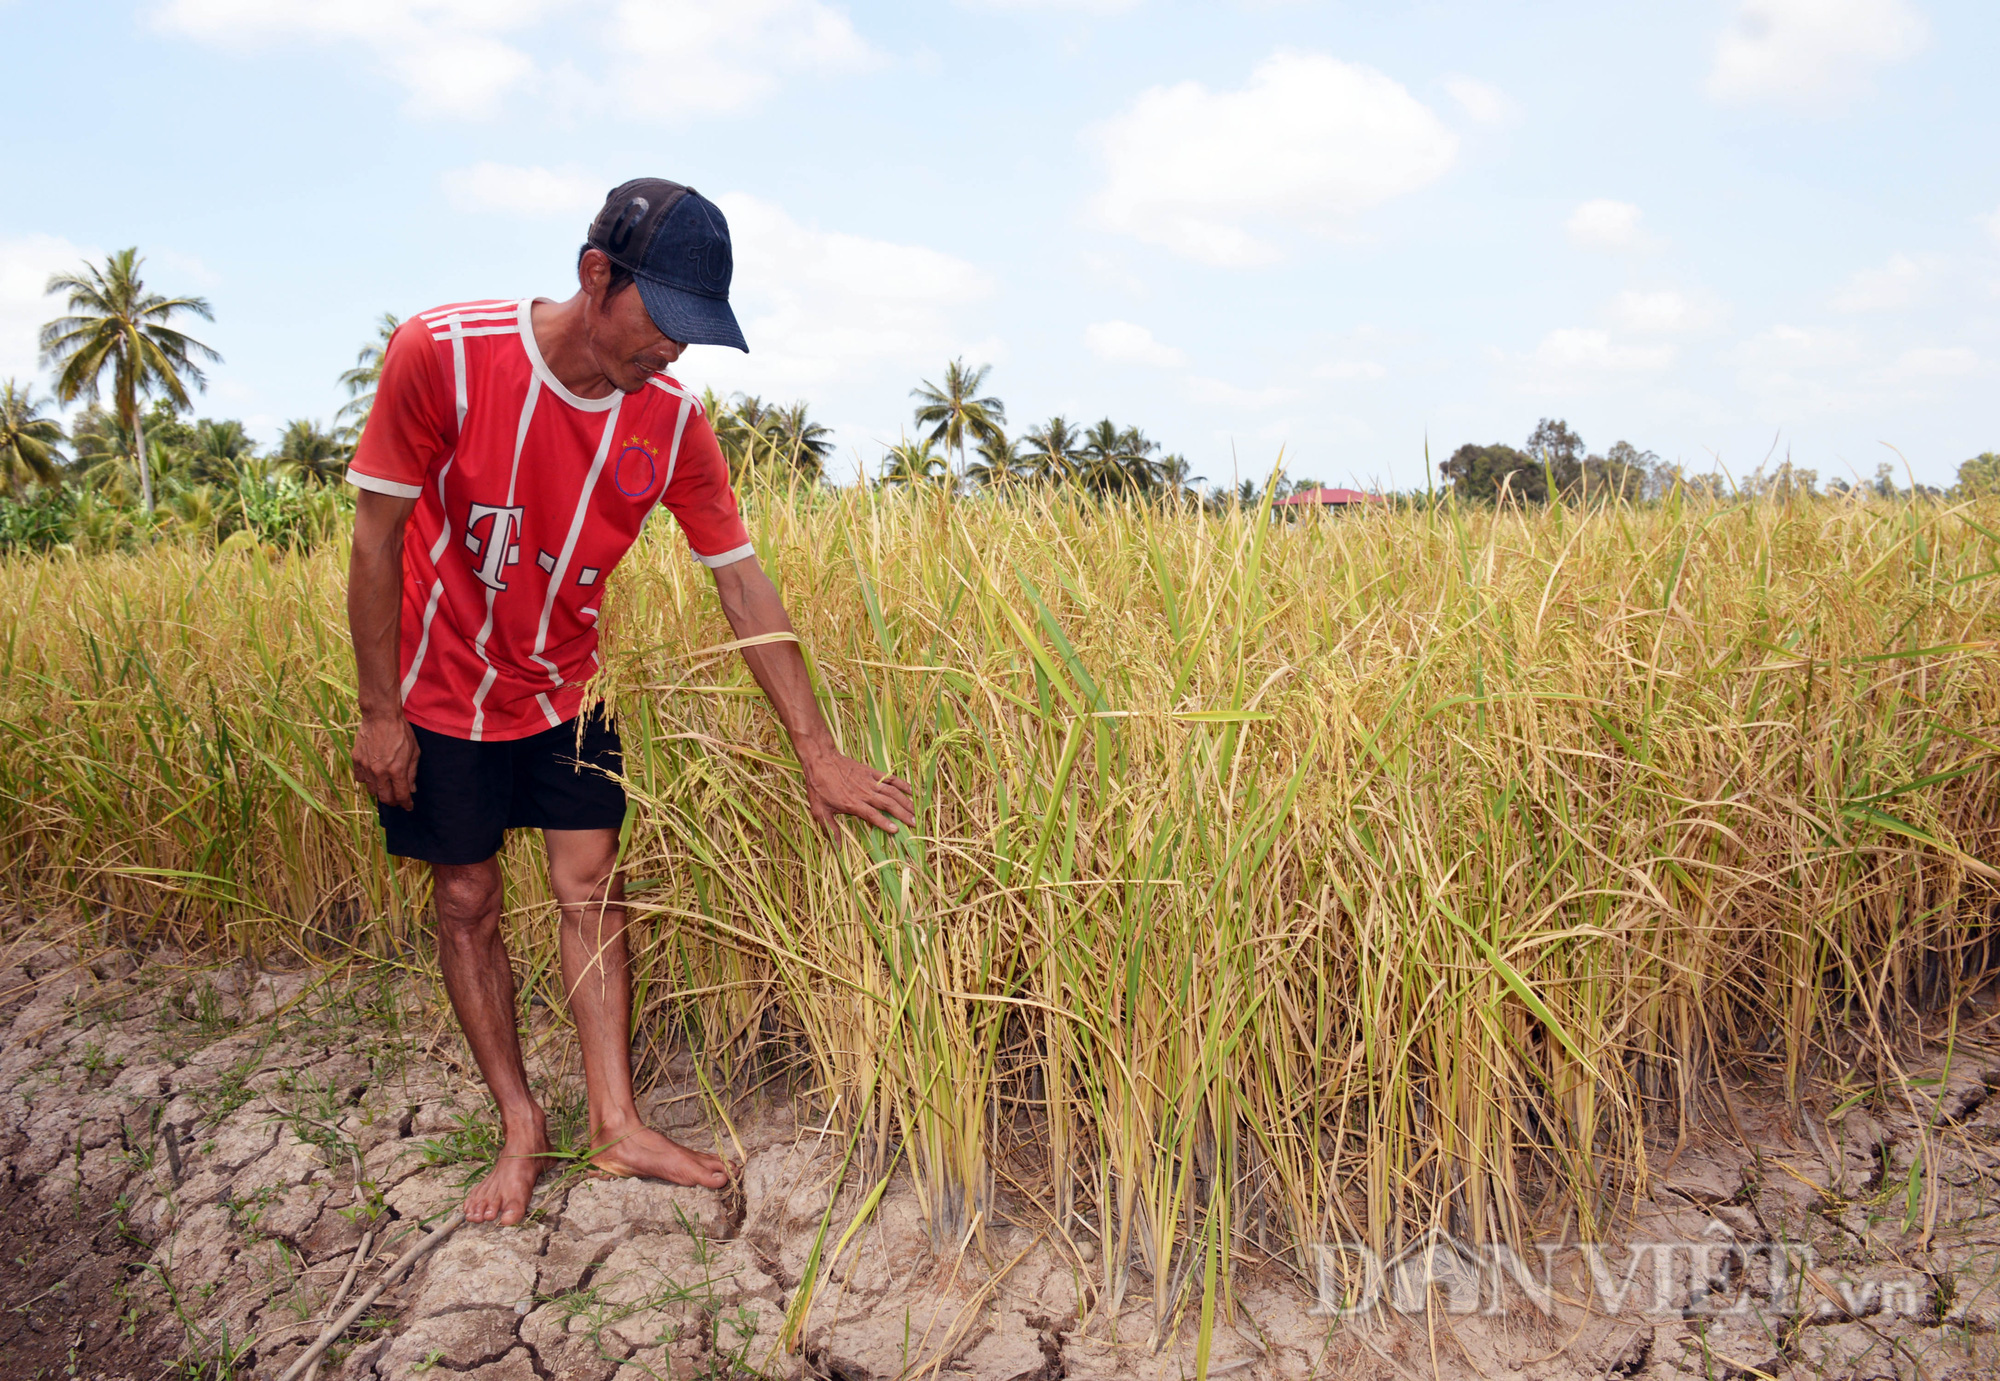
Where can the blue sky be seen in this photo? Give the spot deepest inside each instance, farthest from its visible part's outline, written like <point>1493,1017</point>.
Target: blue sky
<point>1710,228</point>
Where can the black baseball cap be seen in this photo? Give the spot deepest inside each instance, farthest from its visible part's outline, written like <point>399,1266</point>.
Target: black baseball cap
<point>675,243</point>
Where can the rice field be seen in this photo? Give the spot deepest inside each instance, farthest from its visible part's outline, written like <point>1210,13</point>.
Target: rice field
<point>1275,882</point>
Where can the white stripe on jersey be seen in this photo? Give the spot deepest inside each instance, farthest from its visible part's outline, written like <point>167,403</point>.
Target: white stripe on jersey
<point>474,331</point>
<point>608,403</point>
<point>673,387</point>
<point>478,714</point>
<point>728,558</point>
<point>437,588</point>
<point>462,308</point>
<point>674,451</point>
<point>451,315</point>
<point>542,699</point>
<point>439,322</point>
<point>458,372</point>
<point>569,543</point>
<point>382,486</point>
<point>486,630</point>
<point>496,310</point>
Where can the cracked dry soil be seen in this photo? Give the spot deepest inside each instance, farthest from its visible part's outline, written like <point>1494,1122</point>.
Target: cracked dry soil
<point>193,1161</point>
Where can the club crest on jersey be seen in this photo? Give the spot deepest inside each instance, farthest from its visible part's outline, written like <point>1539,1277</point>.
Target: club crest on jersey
<point>638,466</point>
<point>497,550</point>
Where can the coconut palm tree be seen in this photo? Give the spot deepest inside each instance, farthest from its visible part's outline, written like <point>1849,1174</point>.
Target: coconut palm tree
<point>733,436</point>
<point>914,462</point>
<point>797,440</point>
<point>312,453</point>
<point>194,507</point>
<point>1177,477</point>
<point>104,455</point>
<point>114,323</point>
<point>999,460</point>
<point>1139,449</point>
<point>361,380</point>
<point>28,440</point>
<point>953,411</point>
<point>1116,462</point>
<point>1053,452</point>
<point>219,451</point>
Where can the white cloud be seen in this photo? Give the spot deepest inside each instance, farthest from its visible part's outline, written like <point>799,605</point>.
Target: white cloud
<point>1992,223</point>
<point>821,306</point>
<point>1482,101</point>
<point>25,265</point>
<point>1895,284</point>
<point>466,57</point>
<point>1235,396</point>
<point>1789,347</point>
<point>1811,53</point>
<point>1310,140</point>
<point>1606,224</point>
<point>1935,362</point>
<point>1351,369</point>
<point>1665,311</point>
<point>673,55</point>
<point>451,56</point>
<point>1576,353</point>
<point>1125,343</point>
<point>1083,6</point>
<point>1798,370</point>
<point>515,191</point>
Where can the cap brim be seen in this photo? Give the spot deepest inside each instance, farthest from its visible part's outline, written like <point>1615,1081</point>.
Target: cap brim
<point>689,317</point>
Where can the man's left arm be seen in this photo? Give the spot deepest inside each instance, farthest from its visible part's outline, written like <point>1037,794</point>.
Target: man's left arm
<point>835,783</point>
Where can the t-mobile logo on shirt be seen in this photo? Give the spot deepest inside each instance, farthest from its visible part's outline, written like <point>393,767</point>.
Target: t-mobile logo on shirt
<point>497,550</point>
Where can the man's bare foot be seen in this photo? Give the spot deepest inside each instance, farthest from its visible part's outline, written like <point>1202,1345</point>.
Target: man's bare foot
<point>504,1194</point>
<point>640,1152</point>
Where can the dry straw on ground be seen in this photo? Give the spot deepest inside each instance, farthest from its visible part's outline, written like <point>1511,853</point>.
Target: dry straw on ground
<point>1275,882</point>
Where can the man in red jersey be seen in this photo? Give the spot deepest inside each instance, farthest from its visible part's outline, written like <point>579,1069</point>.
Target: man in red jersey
<point>514,450</point>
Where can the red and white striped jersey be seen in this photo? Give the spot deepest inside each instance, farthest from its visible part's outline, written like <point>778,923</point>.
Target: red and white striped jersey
<point>527,497</point>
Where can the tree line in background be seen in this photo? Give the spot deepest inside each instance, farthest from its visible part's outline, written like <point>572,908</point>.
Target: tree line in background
<point>134,462</point>
<point>1554,461</point>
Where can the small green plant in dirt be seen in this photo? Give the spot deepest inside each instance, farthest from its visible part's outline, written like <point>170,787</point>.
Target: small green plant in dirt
<point>470,1141</point>
<point>204,1355</point>
<point>371,1207</point>
<point>121,1209</point>
<point>217,1359</point>
<point>597,1313</point>
<point>232,1089</point>
<point>209,1017</point>
<point>130,1310</point>
<point>473,1141</point>
<point>96,1062</point>
<point>569,1117</point>
<point>313,1108</point>
<point>734,1333</point>
<point>247,1212</point>
<point>431,1359</point>
<point>366,1012</point>
<point>138,1153</point>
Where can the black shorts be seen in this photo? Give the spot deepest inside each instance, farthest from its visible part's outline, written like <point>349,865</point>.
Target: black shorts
<point>470,794</point>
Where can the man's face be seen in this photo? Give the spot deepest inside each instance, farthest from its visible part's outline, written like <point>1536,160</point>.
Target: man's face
<point>628,347</point>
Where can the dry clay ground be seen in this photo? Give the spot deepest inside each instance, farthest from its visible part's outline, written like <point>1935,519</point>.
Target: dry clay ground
<point>194,1161</point>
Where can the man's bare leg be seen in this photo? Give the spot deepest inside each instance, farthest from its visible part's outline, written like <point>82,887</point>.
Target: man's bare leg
<point>597,974</point>
<point>480,980</point>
